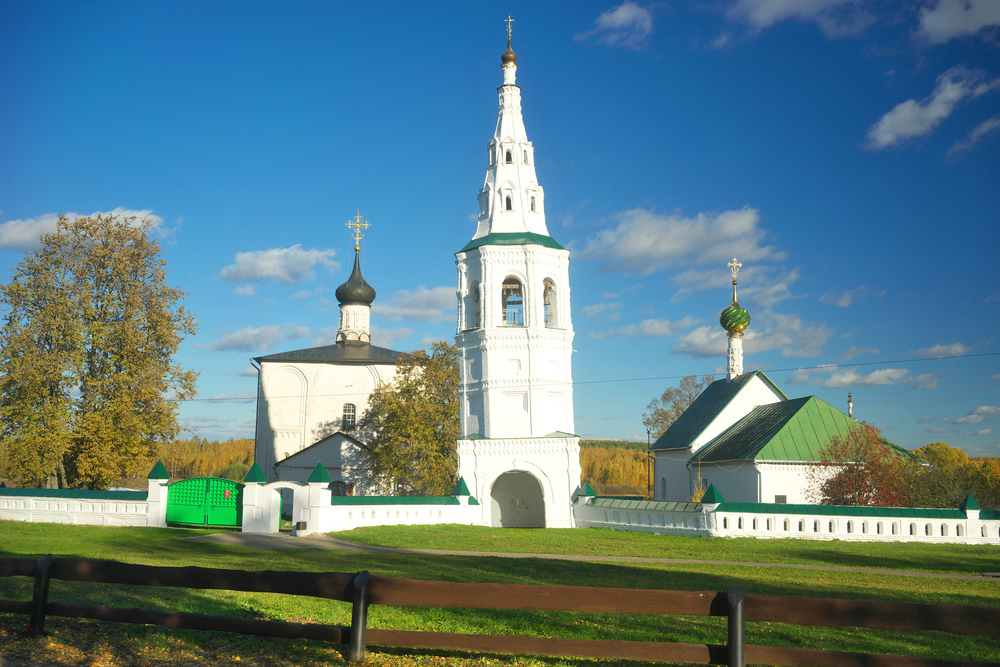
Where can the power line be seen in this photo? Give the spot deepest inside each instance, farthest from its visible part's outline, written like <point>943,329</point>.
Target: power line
<point>247,399</point>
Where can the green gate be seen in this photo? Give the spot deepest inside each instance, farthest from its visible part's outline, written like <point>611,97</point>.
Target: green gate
<point>205,501</point>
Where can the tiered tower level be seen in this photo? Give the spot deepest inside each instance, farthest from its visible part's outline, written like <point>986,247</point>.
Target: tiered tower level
<point>515,339</point>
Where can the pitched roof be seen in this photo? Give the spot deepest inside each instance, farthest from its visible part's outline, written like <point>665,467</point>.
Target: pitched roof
<point>793,430</point>
<point>512,238</point>
<point>346,352</point>
<point>699,415</point>
<point>321,441</point>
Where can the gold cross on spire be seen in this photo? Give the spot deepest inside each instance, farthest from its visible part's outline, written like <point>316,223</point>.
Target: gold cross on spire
<point>508,21</point>
<point>734,266</point>
<point>358,224</point>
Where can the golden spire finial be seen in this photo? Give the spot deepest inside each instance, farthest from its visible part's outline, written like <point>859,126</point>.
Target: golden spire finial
<point>358,224</point>
<point>508,21</point>
<point>734,266</point>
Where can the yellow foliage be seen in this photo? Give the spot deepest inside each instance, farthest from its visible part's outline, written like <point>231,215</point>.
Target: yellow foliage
<point>197,457</point>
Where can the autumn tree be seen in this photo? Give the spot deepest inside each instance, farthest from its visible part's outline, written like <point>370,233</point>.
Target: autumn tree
<point>665,409</point>
<point>859,468</point>
<point>942,454</point>
<point>90,328</point>
<point>949,475</point>
<point>412,423</point>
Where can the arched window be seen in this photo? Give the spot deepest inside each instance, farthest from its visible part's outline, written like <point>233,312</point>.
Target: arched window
<point>549,299</point>
<point>350,417</point>
<point>532,202</point>
<point>473,307</point>
<point>510,160</point>
<point>512,298</point>
<point>525,157</point>
<point>509,207</point>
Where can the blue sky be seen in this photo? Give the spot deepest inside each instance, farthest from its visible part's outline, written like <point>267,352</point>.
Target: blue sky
<point>846,152</point>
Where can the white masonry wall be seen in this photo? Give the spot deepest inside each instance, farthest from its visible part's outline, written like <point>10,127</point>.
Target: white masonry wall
<point>42,508</point>
<point>699,520</point>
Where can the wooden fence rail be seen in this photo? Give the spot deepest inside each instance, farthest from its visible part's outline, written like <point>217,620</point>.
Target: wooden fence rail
<point>362,590</point>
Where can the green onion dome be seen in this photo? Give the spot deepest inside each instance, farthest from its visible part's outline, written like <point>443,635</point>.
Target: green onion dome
<point>734,319</point>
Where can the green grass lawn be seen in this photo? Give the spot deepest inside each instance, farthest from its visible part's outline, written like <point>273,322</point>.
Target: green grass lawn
<point>947,558</point>
<point>120,644</point>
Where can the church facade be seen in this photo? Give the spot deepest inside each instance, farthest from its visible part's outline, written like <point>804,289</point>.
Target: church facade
<point>309,401</point>
<point>517,451</point>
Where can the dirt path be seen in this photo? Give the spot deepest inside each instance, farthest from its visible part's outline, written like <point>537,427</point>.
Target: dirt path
<point>284,541</point>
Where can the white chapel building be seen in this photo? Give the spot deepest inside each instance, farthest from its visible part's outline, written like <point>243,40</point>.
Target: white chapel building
<point>309,401</point>
<point>517,451</point>
<point>744,435</point>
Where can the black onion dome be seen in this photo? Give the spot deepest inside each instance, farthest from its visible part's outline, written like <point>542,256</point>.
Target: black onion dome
<point>356,290</point>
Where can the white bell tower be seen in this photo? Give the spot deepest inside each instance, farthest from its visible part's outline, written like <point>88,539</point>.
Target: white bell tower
<point>517,452</point>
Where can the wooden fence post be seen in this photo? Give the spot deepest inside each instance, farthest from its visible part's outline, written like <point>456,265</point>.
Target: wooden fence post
<point>39,597</point>
<point>736,644</point>
<point>359,616</point>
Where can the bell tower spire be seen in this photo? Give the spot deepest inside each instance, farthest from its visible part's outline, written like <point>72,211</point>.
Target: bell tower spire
<point>515,339</point>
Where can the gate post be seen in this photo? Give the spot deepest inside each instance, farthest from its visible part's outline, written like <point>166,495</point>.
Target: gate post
<point>39,597</point>
<point>736,644</point>
<point>359,616</point>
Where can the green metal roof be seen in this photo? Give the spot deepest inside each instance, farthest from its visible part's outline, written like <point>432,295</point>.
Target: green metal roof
<point>512,238</point>
<point>642,505</point>
<point>842,510</point>
<point>77,494</point>
<point>793,430</point>
<point>587,490</point>
<point>158,472</point>
<point>699,415</point>
<point>969,504</point>
<point>990,515</point>
<point>319,475</point>
<point>461,488</point>
<point>395,500</point>
<point>255,474</point>
<point>712,495</point>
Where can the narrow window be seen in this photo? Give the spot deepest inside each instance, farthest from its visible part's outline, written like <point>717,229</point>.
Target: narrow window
<point>755,523</point>
<point>525,157</point>
<point>512,298</point>
<point>350,417</point>
<point>850,526</point>
<point>781,500</point>
<point>509,208</point>
<point>532,203</point>
<point>473,311</point>
<point>725,523</point>
<point>509,159</point>
<point>878,528</point>
<point>549,300</point>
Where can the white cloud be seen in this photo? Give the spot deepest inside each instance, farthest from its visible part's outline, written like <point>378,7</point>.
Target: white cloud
<point>924,381</point>
<point>26,234</point>
<point>849,377</point>
<point>256,340</point>
<point>925,419</point>
<point>978,133</point>
<point>857,352</point>
<point>602,312</point>
<point>245,290</point>
<point>644,241</point>
<point>756,284</point>
<point>836,18</point>
<point>248,372</point>
<point>949,19</point>
<point>983,412</point>
<point>425,305</point>
<point>389,337</point>
<point>940,350</point>
<point>287,266</point>
<point>954,431</point>
<point>845,299</point>
<point>911,118</point>
<point>650,327</point>
<point>788,333</point>
<point>628,25</point>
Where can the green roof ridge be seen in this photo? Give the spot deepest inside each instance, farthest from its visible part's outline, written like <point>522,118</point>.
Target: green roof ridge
<point>969,504</point>
<point>711,496</point>
<point>461,488</point>
<point>158,472</point>
<point>255,475</point>
<point>512,238</point>
<point>319,475</point>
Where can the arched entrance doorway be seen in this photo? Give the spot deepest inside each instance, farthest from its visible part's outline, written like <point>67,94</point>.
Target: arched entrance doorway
<point>516,501</point>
